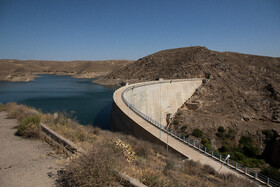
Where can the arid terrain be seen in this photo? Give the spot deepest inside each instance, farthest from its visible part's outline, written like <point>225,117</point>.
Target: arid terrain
<point>242,92</point>
<point>17,70</point>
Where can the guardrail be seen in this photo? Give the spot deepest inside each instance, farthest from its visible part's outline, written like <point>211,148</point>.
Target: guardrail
<point>201,148</point>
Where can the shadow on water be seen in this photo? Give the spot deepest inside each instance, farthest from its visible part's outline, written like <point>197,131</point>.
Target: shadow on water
<point>102,119</point>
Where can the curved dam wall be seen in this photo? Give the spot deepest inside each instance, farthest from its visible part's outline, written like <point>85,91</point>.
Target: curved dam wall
<point>154,99</point>
<point>157,99</point>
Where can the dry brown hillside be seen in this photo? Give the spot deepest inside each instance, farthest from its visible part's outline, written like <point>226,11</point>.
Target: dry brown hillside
<point>17,70</point>
<point>242,93</point>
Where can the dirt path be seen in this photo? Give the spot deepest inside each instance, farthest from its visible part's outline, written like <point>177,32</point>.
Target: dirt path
<point>24,162</point>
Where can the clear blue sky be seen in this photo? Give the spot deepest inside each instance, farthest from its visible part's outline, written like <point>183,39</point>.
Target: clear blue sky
<point>131,29</point>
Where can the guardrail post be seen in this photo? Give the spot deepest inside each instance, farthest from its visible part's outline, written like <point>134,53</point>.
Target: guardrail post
<point>220,157</point>
<point>194,143</point>
<point>198,146</point>
<point>212,153</point>
<point>227,161</point>
<point>246,170</point>
<point>256,175</point>
<point>160,131</point>
<point>267,182</point>
<point>236,165</point>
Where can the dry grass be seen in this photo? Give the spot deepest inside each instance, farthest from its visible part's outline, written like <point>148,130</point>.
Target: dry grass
<point>108,152</point>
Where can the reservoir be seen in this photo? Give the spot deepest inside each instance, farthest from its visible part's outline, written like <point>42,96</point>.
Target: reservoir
<point>91,102</point>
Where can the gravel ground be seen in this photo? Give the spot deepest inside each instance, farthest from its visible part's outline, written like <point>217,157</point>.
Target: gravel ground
<point>24,162</point>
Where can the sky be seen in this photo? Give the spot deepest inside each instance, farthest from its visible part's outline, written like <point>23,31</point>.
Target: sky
<point>132,29</point>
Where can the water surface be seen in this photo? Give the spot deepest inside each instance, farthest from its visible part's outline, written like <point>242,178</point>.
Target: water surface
<point>91,102</point>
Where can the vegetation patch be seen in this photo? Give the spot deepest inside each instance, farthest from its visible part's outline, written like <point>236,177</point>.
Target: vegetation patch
<point>29,126</point>
<point>197,133</point>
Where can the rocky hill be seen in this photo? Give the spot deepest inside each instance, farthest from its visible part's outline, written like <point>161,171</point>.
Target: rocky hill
<point>240,85</point>
<point>242,92</point>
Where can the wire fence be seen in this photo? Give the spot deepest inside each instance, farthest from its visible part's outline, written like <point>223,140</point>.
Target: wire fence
<point>197,146</point>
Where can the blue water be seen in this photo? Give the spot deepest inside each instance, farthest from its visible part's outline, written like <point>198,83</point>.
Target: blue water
<point>91,102</point>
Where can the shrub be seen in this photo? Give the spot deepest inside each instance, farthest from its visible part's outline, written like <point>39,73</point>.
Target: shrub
<point>98,168</point>
<point>231,133</point>
<point>224,148</point>
<point>205,141</point>
<point>271,172</point>
<point>197,133</point>
<point>151,179</point>
<point>237,156</point>
<point>221,129</point>
<point>246,140</point>
<point>270,135</point>
<point>29,126</point>
<point>2,107</point>
<point>17,111</point>
<point>183,128</point>
<point>250,150</point>
<point>175,122</point>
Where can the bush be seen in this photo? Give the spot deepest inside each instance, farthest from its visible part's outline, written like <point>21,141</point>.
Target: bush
<point>237,156</point>
<point>183,128</point>
<point>231,133</point>
<point>98,168</point>
<point>175,122</point>
<point>29,127</point>
<point>271,172</point>
<point>221,129</point>
<point>251,151</point>
<point>17,111</point>
<point>246,140</point>
<point>224,148</point>
<point>270,135</point>
<point>151,179</point>
<point>197,133</point>
<point>205,141</point>
<point>2,107</point>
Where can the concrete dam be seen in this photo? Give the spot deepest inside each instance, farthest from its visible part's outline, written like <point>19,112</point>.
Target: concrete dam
<point>142,110</point>
<point>162,98</point>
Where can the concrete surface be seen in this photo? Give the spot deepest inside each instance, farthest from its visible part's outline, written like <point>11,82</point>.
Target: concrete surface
<point>163,97</point>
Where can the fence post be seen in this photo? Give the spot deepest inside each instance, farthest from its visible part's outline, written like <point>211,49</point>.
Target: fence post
<point>236,165</point>
<point>220,157</point>
<point>160,131</point>
<point>204,149</point>
<point>256,175</point>
<point>245,170</point>
<point>267,182</point>
<point>227,161</point>
<point>198,146</point>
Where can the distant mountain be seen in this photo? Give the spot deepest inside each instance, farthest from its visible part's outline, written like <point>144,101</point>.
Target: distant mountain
<point>17,70</point>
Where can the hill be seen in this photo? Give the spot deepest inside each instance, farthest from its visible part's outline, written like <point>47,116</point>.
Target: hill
<point>17,70</point>
<point>242,93</point>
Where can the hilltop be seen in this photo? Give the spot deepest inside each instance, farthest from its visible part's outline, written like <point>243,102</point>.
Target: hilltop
<point>17,70</point>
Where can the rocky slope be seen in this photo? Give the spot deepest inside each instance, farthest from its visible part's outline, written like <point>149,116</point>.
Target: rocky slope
<point>240,85</point>
<point>242,91</point>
